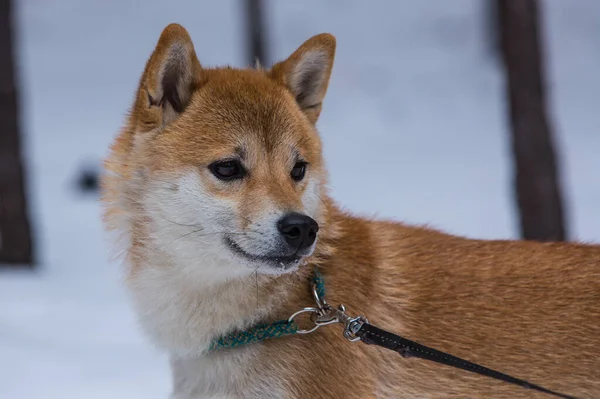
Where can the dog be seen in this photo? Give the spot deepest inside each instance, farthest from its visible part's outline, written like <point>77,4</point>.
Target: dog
<point>216,189</point>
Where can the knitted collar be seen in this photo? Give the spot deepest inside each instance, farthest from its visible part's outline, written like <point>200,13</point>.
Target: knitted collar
<point>261,332</point>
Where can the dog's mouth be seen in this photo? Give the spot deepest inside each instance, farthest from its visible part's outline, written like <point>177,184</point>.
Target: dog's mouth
<point>278,262</point>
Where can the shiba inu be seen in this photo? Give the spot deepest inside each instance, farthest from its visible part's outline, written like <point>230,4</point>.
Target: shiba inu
<point>216,187</point>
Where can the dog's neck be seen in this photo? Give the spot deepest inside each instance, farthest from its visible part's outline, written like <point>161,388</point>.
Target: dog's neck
<point>185,315</point>
<point>184,311</point>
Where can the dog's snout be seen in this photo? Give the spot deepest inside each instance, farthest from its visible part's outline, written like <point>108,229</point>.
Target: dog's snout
<point>299,231</point>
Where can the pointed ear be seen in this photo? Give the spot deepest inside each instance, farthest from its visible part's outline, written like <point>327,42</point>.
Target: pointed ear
<point>306,73</point>
<point>172,74</point>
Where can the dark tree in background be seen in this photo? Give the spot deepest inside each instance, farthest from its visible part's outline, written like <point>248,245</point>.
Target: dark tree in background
<point>256,32</point>
<point>537,183</point>
<point>15,234</point>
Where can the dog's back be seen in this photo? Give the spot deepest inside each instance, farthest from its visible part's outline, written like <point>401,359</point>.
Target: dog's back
<point>530,310</point>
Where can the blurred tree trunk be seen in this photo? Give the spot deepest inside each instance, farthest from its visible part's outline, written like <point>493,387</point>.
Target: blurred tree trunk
<point>256,32</point>
<point>15,235</point>
<point>537,183</point>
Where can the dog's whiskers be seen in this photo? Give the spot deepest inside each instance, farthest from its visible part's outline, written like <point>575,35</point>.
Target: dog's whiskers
<point>171,185</point>
<point>179,224</point>
<point>210,234</point>
<point>322,201</point>
<point>256,281</point>
<point>246,219</point>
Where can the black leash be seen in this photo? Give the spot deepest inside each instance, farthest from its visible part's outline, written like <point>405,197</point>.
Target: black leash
<point>372,335</point>
<point>359,329</point>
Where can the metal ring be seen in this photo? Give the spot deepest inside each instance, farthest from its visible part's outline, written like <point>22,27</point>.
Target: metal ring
<point>320,301</point>
<point>305,310</point>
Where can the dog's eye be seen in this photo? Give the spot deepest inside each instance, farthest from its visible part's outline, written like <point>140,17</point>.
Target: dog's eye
<point>298,171</point>
<point>227,170</point>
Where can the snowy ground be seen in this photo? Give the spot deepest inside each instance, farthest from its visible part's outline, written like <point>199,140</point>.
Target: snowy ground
<point>413,126</point>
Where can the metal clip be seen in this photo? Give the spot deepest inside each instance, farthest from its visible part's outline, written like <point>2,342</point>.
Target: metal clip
<point>351,324</point>
<point>324,314</point>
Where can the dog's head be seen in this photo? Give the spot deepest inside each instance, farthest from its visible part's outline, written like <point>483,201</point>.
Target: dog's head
<point>225,165</point>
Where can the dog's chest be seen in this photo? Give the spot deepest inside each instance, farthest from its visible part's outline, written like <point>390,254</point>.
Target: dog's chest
<point>227,374</point>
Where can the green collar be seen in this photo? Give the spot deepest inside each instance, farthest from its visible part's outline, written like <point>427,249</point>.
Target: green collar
<point>262,332</point>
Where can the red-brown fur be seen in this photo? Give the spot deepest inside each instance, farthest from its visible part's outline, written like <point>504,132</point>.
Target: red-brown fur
<point>528,309</point>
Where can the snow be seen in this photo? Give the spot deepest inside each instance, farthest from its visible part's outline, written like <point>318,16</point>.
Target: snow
<point>413,125</point>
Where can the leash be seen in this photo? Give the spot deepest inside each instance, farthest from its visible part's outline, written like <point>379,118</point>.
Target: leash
<point>406,348</point>
<point>359,329</point>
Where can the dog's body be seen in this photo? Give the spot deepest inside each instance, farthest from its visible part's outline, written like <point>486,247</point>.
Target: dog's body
<point>217,185</point>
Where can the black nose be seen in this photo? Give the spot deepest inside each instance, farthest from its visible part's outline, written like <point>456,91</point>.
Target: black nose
<point>300,231</point>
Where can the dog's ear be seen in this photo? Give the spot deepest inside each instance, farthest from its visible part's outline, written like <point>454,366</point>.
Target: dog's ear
<point>306,73</point>
<point>172,74</point>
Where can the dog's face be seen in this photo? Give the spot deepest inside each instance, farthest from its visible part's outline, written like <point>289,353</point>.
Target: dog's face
<point>230,174</point>
<point>242,170</point>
